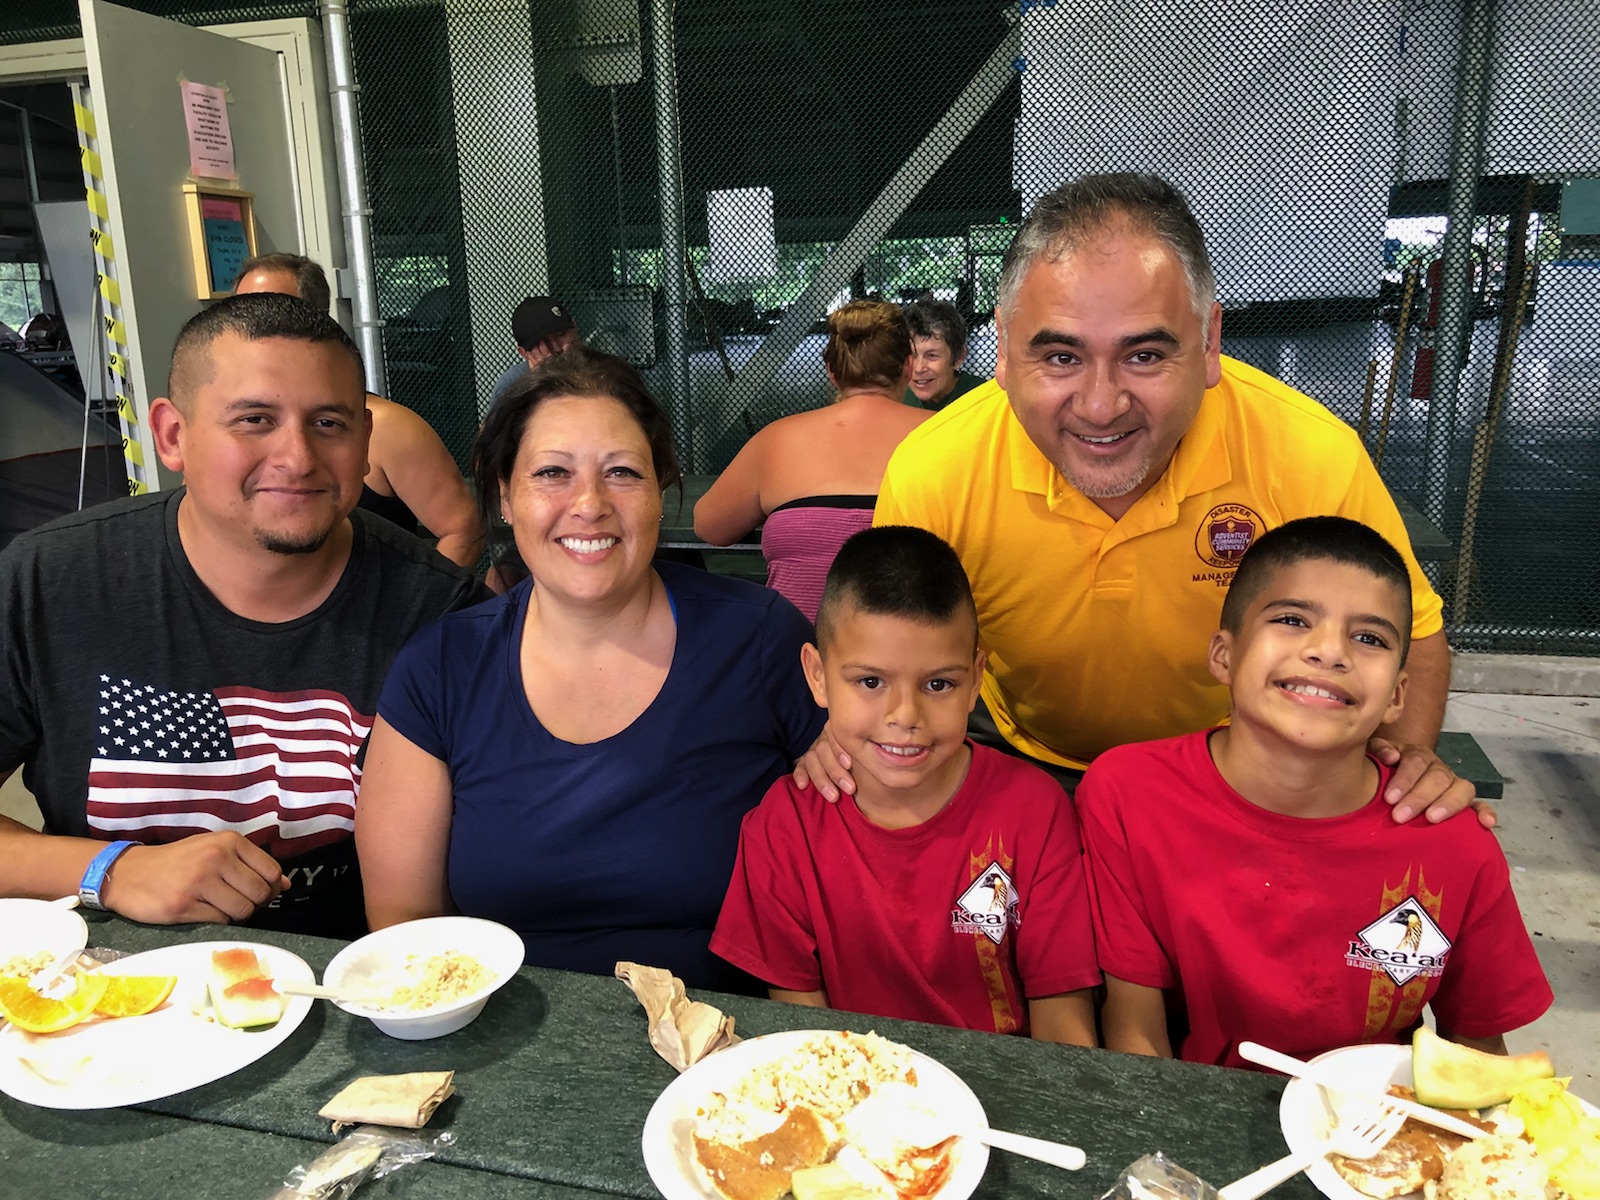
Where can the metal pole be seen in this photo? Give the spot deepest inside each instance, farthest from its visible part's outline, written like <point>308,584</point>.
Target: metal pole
<point>1413,272</point>
<point>616,164</point>
<point>1455,290</point>
<point>670,185</point>
<point>25,128</point>
<point>342,90</point>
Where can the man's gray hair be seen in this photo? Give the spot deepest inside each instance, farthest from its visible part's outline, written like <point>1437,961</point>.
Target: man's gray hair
<point>1064,220</point>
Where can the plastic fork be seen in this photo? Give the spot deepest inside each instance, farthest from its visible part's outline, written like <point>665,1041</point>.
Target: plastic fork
<point>1360,1136</point>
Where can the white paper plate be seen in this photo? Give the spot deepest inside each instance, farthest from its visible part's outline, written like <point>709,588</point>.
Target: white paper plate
<point>1305,1117</point>
<point>131,1060</point>
<point>669,1153</point>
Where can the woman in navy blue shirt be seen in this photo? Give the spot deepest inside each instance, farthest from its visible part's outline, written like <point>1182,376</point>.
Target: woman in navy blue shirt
<point>573,758</point>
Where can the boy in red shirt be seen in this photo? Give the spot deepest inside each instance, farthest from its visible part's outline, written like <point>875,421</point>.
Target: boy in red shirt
<point>950,887</point>
<point>1249,883</point>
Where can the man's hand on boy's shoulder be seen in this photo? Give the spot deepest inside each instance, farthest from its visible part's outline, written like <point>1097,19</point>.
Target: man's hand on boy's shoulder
<point>1422,783</point>
<point>826,767</point>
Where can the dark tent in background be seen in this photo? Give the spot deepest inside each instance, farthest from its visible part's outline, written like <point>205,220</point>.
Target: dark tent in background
<point>41,438</point>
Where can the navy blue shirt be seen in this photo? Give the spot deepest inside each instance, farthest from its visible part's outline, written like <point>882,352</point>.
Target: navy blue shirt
<point>621,849</point>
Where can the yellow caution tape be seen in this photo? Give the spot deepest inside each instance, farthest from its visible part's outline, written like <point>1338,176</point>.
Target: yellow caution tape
<point>115,330</point>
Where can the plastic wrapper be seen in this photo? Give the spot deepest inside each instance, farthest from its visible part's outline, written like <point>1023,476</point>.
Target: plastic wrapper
<point>1157,1177</point>
<point>369,1152</point>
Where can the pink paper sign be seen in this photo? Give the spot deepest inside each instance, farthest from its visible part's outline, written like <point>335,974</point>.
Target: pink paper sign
<point>214,209</point>
<point>205,113</point>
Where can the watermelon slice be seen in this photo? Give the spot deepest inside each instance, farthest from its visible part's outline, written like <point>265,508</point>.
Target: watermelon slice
<point>241,992</point>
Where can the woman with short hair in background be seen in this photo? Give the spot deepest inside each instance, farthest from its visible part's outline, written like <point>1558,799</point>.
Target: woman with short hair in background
<point>814,476</point>
<point>939,347</point>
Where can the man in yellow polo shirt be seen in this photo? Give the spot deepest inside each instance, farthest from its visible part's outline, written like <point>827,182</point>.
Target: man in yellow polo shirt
<point>1101,490</point>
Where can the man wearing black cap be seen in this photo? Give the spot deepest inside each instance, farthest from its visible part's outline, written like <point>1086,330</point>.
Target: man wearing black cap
<point>542,327</point>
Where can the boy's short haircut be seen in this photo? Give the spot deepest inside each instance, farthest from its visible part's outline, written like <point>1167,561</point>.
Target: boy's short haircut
<point>1314,539</point>
<point>896,571</point>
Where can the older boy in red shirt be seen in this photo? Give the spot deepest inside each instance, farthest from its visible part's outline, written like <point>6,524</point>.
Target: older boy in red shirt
<point>1249,883</point>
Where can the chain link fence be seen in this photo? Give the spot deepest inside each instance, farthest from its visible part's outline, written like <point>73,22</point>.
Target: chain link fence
<point>1402,201</point>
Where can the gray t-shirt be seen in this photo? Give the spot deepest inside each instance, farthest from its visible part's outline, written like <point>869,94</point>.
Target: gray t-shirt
<point>140,708</point>
<point>516,371</point>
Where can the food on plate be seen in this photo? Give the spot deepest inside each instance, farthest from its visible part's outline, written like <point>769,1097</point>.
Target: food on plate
<point>443,979</point>
<point>794,1114</point>
<point>134,995</point>
<point>838,1181</point>
<point>1566,1136</point>
<point>1493,1168</point>
<point>241,991</point>
<point>763,1167</point>
<point>25,965</point>
<point>1448,1075</point>
<point>1541,1145</point>
<point>1413,1159</point>
<point>33,1013</point>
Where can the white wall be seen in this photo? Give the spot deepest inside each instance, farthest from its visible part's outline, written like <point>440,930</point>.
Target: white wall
<point>1278,119</point>
<point>1544,109</point>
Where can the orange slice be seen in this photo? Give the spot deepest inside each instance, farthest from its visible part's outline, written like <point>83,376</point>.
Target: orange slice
<point>134,995</point>
<point>33,1013</point>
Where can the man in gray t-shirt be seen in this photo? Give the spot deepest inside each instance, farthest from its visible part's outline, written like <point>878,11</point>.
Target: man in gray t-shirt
<point>542,327</point>
<point>187,679</point>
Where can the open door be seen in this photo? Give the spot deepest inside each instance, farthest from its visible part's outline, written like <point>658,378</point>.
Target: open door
<point>135,140</point>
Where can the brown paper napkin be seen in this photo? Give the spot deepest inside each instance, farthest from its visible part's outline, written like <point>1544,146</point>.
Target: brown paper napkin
<point>682,1030</point>
<point>399,1101</point>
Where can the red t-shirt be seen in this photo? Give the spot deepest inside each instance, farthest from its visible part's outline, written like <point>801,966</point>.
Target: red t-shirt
<point>1302,934</point>
<point>956,921</point>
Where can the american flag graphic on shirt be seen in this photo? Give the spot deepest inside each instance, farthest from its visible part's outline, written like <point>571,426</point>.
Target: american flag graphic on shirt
<point>278,767</point>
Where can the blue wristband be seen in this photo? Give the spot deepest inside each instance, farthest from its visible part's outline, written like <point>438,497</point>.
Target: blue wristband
<point>95,877</point>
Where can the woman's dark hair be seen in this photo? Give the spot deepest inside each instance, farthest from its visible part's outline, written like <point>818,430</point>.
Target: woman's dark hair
<point>936,318</point>
<point>868,344</point>
<point>578,371</point>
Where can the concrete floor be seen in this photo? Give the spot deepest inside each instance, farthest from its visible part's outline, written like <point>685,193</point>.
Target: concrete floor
<point>1548,748</point>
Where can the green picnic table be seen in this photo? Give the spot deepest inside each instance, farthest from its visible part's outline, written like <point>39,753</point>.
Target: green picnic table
<point>555,1079</point>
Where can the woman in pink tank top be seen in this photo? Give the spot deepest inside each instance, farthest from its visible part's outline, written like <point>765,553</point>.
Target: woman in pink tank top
<point>814,477</point>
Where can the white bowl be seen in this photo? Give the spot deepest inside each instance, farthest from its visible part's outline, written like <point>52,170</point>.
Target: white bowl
<point>30,927</point>
<point>376,961</point>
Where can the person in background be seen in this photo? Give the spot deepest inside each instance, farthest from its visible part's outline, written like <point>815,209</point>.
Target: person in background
<point>412,481</point>
<point>187,677</point>
<point>939,347</point>
<point>1316,921</point>
<point>541,326</point>
<point>573,758</point>
<point>814,476</point>
<point>951,887</point>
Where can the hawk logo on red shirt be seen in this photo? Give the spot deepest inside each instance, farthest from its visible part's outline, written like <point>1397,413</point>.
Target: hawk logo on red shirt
<point>988,906</point>
<point>1403,943</point>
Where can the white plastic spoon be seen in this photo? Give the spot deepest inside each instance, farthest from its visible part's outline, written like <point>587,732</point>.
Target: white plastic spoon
<point>894,1116</point>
